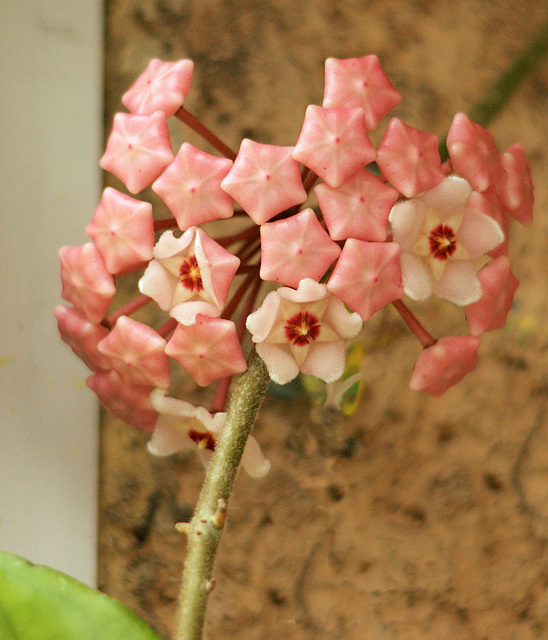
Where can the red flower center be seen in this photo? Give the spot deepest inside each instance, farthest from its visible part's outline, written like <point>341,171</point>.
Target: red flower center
<point>190,275</point>
<point>302,328</point>
<point>203,440</point>
<point>442,242</point>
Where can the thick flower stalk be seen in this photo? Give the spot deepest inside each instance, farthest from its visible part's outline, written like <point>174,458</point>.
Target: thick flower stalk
<point>272,267</point>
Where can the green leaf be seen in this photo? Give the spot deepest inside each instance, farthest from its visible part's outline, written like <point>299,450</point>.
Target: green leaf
<point>39,603</point>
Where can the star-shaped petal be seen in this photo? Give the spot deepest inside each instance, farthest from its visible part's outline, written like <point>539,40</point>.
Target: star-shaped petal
<point>409,158</point>
<point>265,180</point>
<point>473,153</point>
<point>128,403</point>
<point>359,208</point>
<point>296,248</point>
<point>163,86</point>
<point>360,82</point>
<point>123,230</point>
<point>87,284</point>
<point>209,349</point>
<point>82,336</point>
<point>138,149</point>
<point>137,354</point>
<point>445,363</point>
<point>516,186</point>
<point>498,285</point>
<point>334,143</point>
<point>191,187</point>
<point>367,276</point>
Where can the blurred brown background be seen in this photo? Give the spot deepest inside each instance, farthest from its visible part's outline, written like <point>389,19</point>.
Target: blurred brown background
<point>433,525</point>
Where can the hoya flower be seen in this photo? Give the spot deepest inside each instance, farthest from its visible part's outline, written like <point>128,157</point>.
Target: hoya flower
<point>123,230</point>
<point>180,425</point>
<point>296,248</point>
<point>83,337</point>
<point>303,330</point>
<point>189,275</point>
<point>191,187</point>
<point>163,86</point>
<point>360,82</point>
<point>444,363</point>
<point>138,149</point>
<point>265,180</point>
<point>334,143</point>
<point>439,237</point>
<point>516,186</point>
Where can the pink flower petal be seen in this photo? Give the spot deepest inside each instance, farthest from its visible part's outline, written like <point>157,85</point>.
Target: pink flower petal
<point>208,350</point>
<point>367,276</point>
<point>123,230</point>
<point>479,233</point>
<point>163,86</point>
<point>138,149</point>
<point>359,82</point>
<point>445,363</point>
<point>359,208</point>
<point>516,186</point>
<point>191,187</point>
<point>87,284</point>
<point>137,353</point>
<point>296,248</point>
<point>82,336</point>
<point>334,143</point>
<point>264,180</point>
<point>130,404</point>
<point>409,158</point>
<point>499,285</point>
<point>473,153</point>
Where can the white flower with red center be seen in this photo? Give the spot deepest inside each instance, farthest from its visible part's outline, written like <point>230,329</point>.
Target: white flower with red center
<point>296,248</point>
<point>360,82</point>
<point>444,363</point>
<point>439,237</point>
<point>334,143</point>
<point>123,230</point>
<point>359,208</point>
<point>191,187</point>
<point>189,275</point>
<point>265,180</point>
<point>409,158</point>
<point>87,284</point>
<point>303,330</point>
<point>138,149</point>
<point>180,425</point>
<point>209,349</point>
<point>163,86</point>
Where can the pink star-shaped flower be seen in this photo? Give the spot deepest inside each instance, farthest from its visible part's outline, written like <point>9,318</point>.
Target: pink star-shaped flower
<point>367,276</point>
<point>516,186</point>
<point>123,230</point>
<point>498,285</point>
<point>191,187</point>
<point>360,82</point>
<point>136,353</point>
<point>296,248</point>
<point>189,275</point>
<point>265,180</point>
<point>303,330</point>
<point>409,158</point>
<point>128,403</point>
<point>209,349</point>
<point>334,143</point>
<point>445,363</point>
<point>359,208</point>
<point>87,284</point>
<point>473,153</point>
<point>163,86</point>
<point>82,336</point>
<point>138,149</point>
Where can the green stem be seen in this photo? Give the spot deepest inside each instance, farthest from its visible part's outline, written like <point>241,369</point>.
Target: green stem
<point>205,529</point>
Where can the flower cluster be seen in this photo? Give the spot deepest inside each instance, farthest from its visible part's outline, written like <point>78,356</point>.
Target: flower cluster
<point>383,224</point>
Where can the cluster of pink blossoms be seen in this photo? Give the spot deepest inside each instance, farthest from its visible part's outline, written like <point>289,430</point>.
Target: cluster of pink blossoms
<point>411,227</point>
